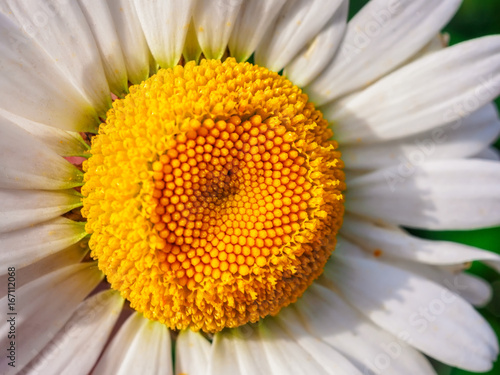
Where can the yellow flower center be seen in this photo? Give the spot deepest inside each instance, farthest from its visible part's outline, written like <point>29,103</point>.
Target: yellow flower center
<point>213,195</point>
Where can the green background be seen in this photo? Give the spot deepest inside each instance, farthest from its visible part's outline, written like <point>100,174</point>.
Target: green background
<point>475,18</point>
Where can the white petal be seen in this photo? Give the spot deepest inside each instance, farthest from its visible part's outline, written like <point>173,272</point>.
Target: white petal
<point>452,141</point>
<point>254,19</point>
<point>285,356</point>
<point>319,52</point>
<point>379,38</point>
<point>26,163</point>
<point>140,347</point>
<point>372,349</point>
<point>61,141</point>
<point>69,352</point>
<point>432,318</point>
<point>441,88</point>
<point>474,290</point>
<point>132,40</point>
<point>102,26</point>
<point>488,153</point>
<point>298,24</point>
<point>43,307</point>
<point>58,28</point>
<point>72,255</point>
<point>26,246</point>
<point>24,208</point>
<point>213,21</point>
<point>389,240</point>
<point>192,353</point>
<point>51,98</point>
<point>451,194</point>
<point>165,24</point>
<point>332,361</point>
<point>239,352</point>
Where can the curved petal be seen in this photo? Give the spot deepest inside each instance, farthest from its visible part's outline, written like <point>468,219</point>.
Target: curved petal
<point>25,246</point>
<point>440,88</point>
<point>383,240</point>
<point>165,24</point>
<point>488,153</point>
<point>192,353</point>
<point>432,318</point>
<point>214,21</point>
<point>57,28</point>
<point>451,194</point>
<point>370,348</point>
<point>239,351</point>
<point>69,256</point>
<point>26,163</point>
<point>105,35</point>
<point>37,321</point>
<point>140,347</point>
<point>451,141</point>
<point>25,208</point>
<point>299,22</point>
<point>69,351</point>
<point>62,142</point>
<point>254,18</point>
<point>51,98</point>
<point>319,52</point>
<point>132,40</point>
<point>332,361</point>
<point>280,348</point>
<point>382,36</point>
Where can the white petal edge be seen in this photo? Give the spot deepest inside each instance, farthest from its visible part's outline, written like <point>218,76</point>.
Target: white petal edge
<point>62,142</point>
<point>440,88</point>
<point>254,18</point>
<point>23,247</point>
<point>141,346</point>
<point>132,40</point>
<point>192,353</point>
<point>165,24</point>
<point>389,240</point>
<point>105,35</point>
<point>449,194</point>
<point>238,352</point>
<point>299,22</point>
<point>51,98</point>
<point>382,36</point>
<point>329,358</point>
<point>431,318</point>
<point>43,307</point>
<point>452,141</point>
<point>319,52</point>
<point>371,349</point>
<point>24,208</point>
<point>214,21</point>
<point>26,163</point>
<point>69,353</point>
<point>472,289</point>
<point>280,349</point>
<point>488,153</point>
<point>69,256</point>
<point>61,30</point>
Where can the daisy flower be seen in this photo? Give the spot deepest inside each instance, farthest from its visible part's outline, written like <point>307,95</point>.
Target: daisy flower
<point>176,175</point>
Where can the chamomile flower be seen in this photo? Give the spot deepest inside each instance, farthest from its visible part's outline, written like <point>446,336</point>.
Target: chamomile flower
<point>220,187</point>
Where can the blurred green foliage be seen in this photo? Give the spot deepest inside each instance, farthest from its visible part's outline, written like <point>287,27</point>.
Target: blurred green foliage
<point>474,19</point>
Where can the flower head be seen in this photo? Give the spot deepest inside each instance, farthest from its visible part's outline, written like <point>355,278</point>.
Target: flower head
<point>171,174</point>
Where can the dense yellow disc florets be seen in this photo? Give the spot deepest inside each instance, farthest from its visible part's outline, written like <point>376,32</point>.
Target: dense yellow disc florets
<point>213,195</point>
